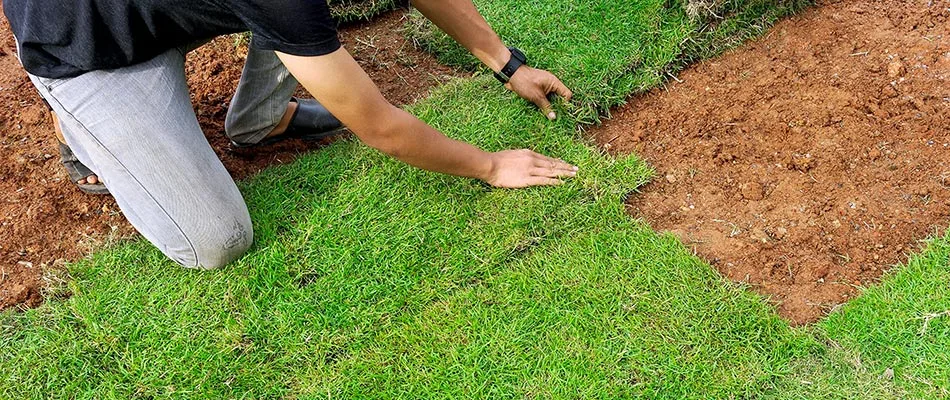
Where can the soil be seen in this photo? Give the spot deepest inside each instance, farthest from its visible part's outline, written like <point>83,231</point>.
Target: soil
<point>47,221</point>
<point>807,162</point>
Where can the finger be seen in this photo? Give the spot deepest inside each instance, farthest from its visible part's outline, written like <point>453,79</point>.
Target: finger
<point>544,157</point>
<point>545,106</point>
<point>562,90</point>
<point>553,173</point>
<point>553,168</point>
<point>543,181</point>
<point>558,163</point>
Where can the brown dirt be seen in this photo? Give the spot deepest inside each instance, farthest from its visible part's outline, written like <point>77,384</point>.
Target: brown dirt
<point>46,220</point>
<point>807,162</point>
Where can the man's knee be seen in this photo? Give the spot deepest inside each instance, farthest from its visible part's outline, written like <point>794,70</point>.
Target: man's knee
<point>222,244</point>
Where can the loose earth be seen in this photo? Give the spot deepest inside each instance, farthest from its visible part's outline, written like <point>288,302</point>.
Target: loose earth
<point>808,162</point>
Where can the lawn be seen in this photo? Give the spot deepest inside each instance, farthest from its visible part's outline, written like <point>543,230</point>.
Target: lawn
<point>372,279</point>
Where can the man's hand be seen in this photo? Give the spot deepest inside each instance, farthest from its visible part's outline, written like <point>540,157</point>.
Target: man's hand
<point>461,21</point>
<point>535,85</point>
<point>522,168</point>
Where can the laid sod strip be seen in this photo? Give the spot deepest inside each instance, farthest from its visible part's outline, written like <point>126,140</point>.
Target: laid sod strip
<point>892,342</point>
<point>833,372</point>
<point>603,50</point>
<point>904,324</point>
<point>626,47</point>
<point>747,19</point>
<point>636,316</point>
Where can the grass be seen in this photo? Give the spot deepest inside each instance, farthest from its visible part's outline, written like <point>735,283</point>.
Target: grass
<point>892,342</point>
<point>360,10</point>
<point>371,279</point>
<point>904,324</point>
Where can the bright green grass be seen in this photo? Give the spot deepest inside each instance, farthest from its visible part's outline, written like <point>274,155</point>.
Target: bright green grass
<point>372,279</point>
<point>904,324</point>
<point>885,328</point>
<point>605,51</point>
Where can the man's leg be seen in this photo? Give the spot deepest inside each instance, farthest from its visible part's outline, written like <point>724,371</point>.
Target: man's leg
<point>262,100</point>
<point>136,129</point>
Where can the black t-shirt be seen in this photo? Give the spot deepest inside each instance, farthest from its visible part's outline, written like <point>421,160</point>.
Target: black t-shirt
<point>65,38</point>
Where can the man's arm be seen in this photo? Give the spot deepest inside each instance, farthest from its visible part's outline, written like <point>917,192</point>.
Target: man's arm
<point>338,82</point>
<point>460,20</point>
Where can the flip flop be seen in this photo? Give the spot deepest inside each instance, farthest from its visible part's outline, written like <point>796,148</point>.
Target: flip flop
<point>77,171</point>
<point>311,121</point>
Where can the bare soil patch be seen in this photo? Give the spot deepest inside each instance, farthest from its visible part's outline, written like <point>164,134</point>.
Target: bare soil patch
<point>807,162</point>
<point>45,221</point>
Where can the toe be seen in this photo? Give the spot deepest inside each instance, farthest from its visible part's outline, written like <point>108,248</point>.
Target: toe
<point>89,180</point>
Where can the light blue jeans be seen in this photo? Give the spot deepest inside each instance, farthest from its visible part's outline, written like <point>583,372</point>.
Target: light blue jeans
<point>135,127</point>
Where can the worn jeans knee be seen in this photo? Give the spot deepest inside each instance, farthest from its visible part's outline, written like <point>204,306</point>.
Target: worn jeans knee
<point>219,245</point>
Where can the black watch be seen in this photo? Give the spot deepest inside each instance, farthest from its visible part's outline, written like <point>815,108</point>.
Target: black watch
<point>517,60</point>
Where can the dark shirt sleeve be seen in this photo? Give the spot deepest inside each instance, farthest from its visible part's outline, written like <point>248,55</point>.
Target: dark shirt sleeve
<point>297,27</point>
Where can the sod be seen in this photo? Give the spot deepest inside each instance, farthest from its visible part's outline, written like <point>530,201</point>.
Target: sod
<point>892,342</point>
<point>904,325</point>
<point>372,279</point>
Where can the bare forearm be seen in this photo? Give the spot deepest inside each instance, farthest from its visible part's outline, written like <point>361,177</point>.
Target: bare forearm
<point>340,85</point>
<point>462,21</point>
<point>412,141</point>
<point>338,82</point>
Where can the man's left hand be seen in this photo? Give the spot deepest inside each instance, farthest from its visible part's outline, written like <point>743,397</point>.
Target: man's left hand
<point>535,85</point>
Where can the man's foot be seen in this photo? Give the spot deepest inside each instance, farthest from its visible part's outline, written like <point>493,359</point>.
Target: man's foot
<point>82,176</point>
<point>305,119</point>
<point>78,173</point>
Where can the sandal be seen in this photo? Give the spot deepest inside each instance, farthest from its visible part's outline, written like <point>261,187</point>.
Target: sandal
<point>77,171</point>
<point>311,121</point>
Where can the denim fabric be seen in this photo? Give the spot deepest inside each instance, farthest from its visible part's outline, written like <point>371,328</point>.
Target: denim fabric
<point>135,127</point>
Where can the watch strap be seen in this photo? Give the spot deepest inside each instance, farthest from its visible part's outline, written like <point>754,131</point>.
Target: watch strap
<point>516,61</point>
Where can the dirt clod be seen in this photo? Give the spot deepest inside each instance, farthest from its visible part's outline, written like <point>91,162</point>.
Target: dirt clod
<point>895,69</point>
<point>753,191</point>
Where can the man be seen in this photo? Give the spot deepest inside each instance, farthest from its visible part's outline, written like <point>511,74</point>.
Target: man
<point>112,71</point>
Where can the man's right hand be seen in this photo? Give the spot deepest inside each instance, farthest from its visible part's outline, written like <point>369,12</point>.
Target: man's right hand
<point>338,82</point>
<point>524,168</point>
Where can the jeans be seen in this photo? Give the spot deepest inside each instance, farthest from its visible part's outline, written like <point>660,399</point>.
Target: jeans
<point>135,127</point>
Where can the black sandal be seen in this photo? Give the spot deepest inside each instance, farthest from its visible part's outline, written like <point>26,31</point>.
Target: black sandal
<point>77,171</point>
<point>311,121</point>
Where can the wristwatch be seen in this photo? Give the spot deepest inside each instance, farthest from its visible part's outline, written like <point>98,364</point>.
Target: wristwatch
<point>517,60</point>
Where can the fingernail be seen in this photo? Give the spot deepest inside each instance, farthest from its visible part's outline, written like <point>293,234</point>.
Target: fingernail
<point>575,168</point>
<point>551,115</point>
